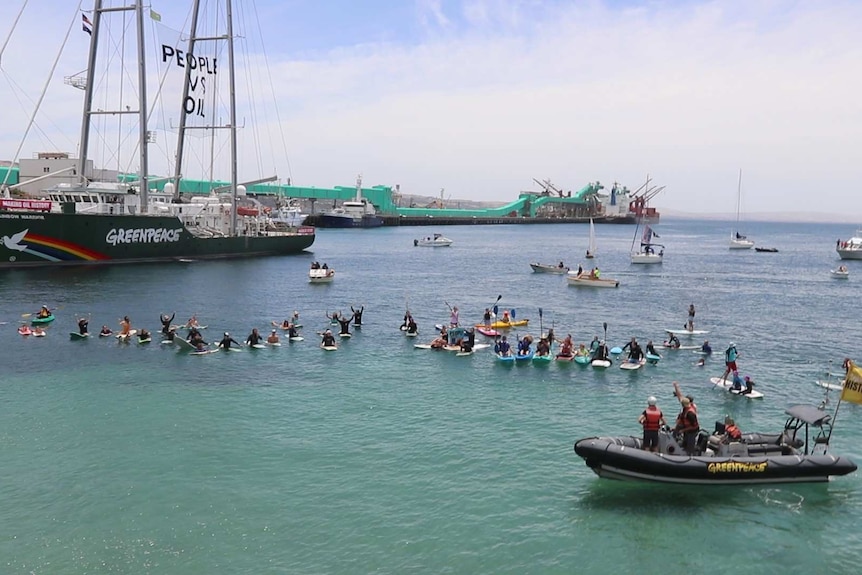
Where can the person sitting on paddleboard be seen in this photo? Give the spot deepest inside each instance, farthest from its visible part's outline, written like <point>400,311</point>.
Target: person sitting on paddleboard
<point>543,348</point>
<point>466,344</point>
<point>749,386</point>
<point>650,349</point>
<point>226,341</point>
<point>295,317</point>
<point>601,352</point>
<point>273,337</point>
<point>357,315</point>
<point>105,330</point>
<point>328,339</point>
<point>193,322</point>
<point>253,338</point>
<point>172,333</point>
<point>635,352</point>
<point>673,341</point>
<point>143,335</point>
<point>44,312</point>
<point>125,325</point>
<point>706,348</point>
<point>411,325</point>
<point>83,325</point>
<point>502,347</point>
<point>291,331</point>
<point>166,322</point>
<point>344,322</point>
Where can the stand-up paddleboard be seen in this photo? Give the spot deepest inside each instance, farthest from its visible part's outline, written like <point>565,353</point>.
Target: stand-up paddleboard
<point>653,359</point>
<point>830,385</point>
<point>422,346</point>
<point>167,342</point>
<point>39,334</point>
<point>632,365</point>
<point>296,338</point>
<point>231,349</point>
<point>487,331</point>
<point>525,357</point>
<point>78,335</point>
<point>727,385</point>
<point>687,332</point>
<point>600,363</point>
<point>277,343</point>
<point>258,346</point>
<point>328,347</point>
<point>204,352</point>
<point>183,344</point>
<point>582,359</point>
<point>682,347</point>
<point>345,335</point>
<point>616,350</point>
<point>463,353</point>
<point>194,326</point>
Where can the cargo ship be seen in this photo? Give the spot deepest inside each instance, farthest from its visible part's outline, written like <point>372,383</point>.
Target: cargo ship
<point>91,222</point>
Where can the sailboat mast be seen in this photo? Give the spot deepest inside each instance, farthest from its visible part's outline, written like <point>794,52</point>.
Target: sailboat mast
<point>88,91</point>
<point>181,132</point>
<point>738,198</point>
<point>232,87</point>
<point>143,132</point>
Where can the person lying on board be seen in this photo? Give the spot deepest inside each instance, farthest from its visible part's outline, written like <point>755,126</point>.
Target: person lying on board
<point>105,330</point>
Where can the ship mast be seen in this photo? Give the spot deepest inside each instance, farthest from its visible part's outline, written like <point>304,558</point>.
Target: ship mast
<point>143,181</point>
<point>232,87</point>
<point>181,131</point>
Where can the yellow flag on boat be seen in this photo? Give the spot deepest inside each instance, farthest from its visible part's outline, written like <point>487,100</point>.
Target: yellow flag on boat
<point>852,384</point>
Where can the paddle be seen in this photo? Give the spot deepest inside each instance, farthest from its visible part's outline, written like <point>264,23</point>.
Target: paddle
<point>512,311</point>
<point>605,325</point>
<point>541,330</point>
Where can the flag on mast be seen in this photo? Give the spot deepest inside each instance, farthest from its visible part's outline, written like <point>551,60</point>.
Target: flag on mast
<point>88,26</point>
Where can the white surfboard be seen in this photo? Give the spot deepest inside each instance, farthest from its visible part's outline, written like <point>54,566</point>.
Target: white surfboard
<point>687,332</point>
<point>345,335</point>
<point>422,346</point>
<point>275,344</point>
<point>411,334</point>
<point>632,365</point>
<point>463,353</point>
<point>126,336</point>
<point>682,347</point>
<point>258,346</point>
<point>296,338</point>
<point>830,385</point>
<point>204,352</point>
<point>328,347</point>
<point>601,363</point>
<point>727,385</point>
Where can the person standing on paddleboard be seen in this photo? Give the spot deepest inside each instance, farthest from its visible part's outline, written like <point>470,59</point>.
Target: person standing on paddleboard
<point>486,318</point>
<point>454,320</point>
<point>690,325</point>
<point>730,355</point>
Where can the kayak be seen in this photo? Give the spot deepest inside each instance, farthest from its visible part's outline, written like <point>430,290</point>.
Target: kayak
<point>542,358</point>
<point>487,332</point>
<point>727,385</point>
<point>505,324</point>
<point>48,319</point>
<point>506,358</point>
<point>582,359</point>
<point>565,358</point>
<point>524,357</point>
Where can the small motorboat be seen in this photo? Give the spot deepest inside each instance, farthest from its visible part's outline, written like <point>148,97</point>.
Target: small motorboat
<point>321,275</point>
<point>550,268</point>
<point>841,273</point>
<point>584,280</point>
<point>766,250</point>
<point>435,241</point>
<point>796,455</point>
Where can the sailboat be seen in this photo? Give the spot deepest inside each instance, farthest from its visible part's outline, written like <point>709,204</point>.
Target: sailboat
<point>124,220</point>
<point>591,250</point>
<point>647,253</point>
<point>737,240</point>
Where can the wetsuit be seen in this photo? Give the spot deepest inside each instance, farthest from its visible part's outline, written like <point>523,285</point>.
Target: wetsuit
<point>253,338</point>
<point>650,348</point>
<point>357,315</point>
<point>291,331</point>
<point>345,324</point>
<point>226,341</point>
<point>166,322</point>
<point>82,326</point>
<point>328,340</point>
<point>635,353</point>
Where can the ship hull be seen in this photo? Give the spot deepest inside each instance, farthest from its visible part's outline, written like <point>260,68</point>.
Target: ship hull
<point>52,239</point>
<point>342,221</point>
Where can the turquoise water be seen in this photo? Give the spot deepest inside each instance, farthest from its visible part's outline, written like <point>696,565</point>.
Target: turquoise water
<point>383,458</point>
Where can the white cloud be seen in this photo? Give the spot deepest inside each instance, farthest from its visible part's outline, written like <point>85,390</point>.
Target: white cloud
<point>689,93</point>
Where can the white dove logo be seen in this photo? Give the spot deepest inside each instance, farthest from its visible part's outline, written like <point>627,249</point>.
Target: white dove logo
<point>13,243</point>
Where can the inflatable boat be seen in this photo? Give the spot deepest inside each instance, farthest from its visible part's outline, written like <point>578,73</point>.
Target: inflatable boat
<point>786,457</point>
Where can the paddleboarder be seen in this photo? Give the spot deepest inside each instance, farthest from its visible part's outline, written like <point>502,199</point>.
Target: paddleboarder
<point>690,325</point>
<point>83,324</point>
<point>357,315</point>
<point>328,339</point>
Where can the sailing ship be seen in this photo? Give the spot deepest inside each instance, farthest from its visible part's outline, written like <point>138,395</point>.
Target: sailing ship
<point>591,249</point>
<point>116,222</point>
<point>737,240</point>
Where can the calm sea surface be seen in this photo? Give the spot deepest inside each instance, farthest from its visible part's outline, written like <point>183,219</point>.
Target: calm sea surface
<point>388,459</point>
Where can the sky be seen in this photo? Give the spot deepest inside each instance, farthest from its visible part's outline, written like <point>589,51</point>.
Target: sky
<point>481,96</point>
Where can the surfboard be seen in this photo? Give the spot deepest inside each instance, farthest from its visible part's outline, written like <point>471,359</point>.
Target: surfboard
<point>683,347</point>
<point>422,346</point>
<point>204,352</point>
<point>600,363</point>
<point>463,353</point>
<point>125,337</point>
<point>194,326</point>
<point>652,358</point>
<point>830,385</point>
<point>146,340</point>
<point>258,346</point>
<point>687,332</point>
<point>78,335</point>
<point>296,338</point>
<point>632,365</point>
<point>727,385</point>
<point>328,347</point>
<point>166,342</point>
<point>233,349</point>
<point>616,350</point>
<point>411,334</point>
<point>183,344</point>
<point>277,343</point>
<point>345,335</point>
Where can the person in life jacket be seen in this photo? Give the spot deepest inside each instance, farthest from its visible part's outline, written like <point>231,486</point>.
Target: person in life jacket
<point>731,431</point>
<point>652,419</point>
<point>687,424</point>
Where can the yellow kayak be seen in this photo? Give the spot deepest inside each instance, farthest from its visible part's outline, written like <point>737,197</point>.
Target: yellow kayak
<point>506,324</point>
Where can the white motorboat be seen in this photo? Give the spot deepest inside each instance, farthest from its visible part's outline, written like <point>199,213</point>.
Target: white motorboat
<point>737,240</point>
<point>321,275</point>
<point>435,241</point>
<point>841,273</point>
<point>850,249</point>
<point>550,268</point>
<point>585,280</point>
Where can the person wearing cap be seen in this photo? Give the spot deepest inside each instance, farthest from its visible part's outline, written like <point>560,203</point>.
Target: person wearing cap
<point>273,337</point>
<point>253,338</point>
<point>226,341</point>
<point>652,419</point>
<point>328,339</point>
<point>687,424</point>
<point>166,321</point>
<point>730,355</point>
<point>44,312</point>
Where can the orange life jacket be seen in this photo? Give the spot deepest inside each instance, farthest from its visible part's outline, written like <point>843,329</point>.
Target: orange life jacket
<point>652,418</point>
<point>733,432</point>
